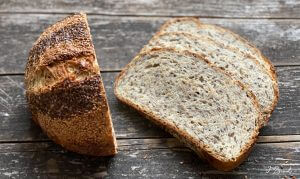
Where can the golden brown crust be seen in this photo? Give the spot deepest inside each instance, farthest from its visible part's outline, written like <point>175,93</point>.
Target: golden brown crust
<point>65,91</point>
<point>275,87</point>
<point>70,33</point>
<point>90,133</point>
<point>74,32</point>
<point>202,150</point>
<point>56,64</point>
<point>268,65</point>
<point>68,98</point>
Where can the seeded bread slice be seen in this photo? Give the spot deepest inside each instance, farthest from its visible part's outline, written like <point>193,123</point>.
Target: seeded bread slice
<point>198,103</point>
<point>225,36</point>
<point>232,41</point>
<point>237,64</point>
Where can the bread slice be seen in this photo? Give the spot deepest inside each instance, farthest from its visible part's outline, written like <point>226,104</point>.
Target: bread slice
<point>65,91</point>
<point>232,41</point>
<point>239,65</point>
<point>198,103</point>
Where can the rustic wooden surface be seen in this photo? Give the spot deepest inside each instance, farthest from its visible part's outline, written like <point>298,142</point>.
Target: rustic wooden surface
<point>120,29</point>
<point>204,8</point>
<point>118,39</point>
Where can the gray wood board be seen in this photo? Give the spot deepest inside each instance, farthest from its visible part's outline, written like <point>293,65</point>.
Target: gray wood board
<point>142,158</point>
<point>204,8</point>
<point>16,124</point>
<point>118,39</point>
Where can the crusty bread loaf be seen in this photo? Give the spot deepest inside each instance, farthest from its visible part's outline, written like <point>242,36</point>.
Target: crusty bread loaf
<point>232,61</point>
<point>229,40</point>
<point>195,101</point>
<point>64,89</point>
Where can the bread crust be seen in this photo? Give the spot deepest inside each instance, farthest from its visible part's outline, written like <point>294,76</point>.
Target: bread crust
<point>68,98</point>
<point>85,129</point>
<point>175,20</point>
<point>65,91</point>
<point>270,69</point>
<point>202,150</point>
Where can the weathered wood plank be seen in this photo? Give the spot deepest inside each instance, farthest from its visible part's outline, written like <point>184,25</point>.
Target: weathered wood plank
<point>16,125</point>
<point>139,158</point>
<point>279,138</point>
<point>118,39</point>
<point>205,8</point>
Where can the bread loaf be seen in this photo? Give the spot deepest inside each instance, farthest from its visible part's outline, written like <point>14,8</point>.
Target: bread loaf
<point>197,102</point>
<point>65,91</point>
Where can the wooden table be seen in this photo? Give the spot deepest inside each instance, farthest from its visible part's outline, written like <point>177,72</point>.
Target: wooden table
<point>120,29</point>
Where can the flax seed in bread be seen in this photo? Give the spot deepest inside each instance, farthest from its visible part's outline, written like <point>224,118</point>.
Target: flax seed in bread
<point>229,40</point>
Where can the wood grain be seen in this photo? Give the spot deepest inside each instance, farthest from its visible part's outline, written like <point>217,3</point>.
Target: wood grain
<point>16,124</point>
<point>204,8</point>
<point>278,138</point>
<point>118,39</point>
<point>139,158</point>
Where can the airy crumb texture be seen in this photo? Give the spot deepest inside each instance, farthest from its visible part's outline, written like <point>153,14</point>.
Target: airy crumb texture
<point>198,103</point>
<point>239,65</point>
<point>268,92</point>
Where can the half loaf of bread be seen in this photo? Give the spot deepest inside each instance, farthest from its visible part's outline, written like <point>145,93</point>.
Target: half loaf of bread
<point>194,100</point>
<point>65,91</point>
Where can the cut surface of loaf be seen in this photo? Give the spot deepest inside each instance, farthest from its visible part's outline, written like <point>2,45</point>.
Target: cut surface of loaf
<point>65,91</point>
<point>239,65</point>
<point>195,101</point>
<point>230,40</point>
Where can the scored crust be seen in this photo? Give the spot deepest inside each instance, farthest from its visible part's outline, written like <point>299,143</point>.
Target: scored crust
<point>268,65</point>
<point>65,91</point>
<point>202,150</point>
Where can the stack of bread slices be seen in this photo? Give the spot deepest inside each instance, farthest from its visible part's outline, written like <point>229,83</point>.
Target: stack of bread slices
<point>206,85</point>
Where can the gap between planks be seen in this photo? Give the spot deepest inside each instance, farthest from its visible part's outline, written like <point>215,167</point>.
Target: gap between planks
<point>173,141</point>
<point>146,15</point>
